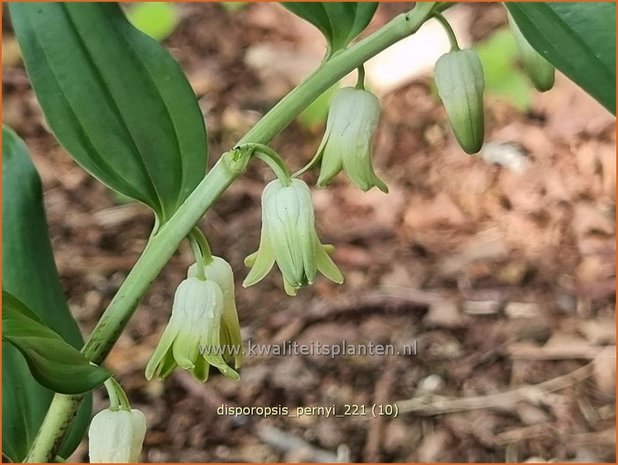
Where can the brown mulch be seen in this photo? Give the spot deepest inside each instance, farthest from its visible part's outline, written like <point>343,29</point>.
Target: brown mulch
<point>500,277</point>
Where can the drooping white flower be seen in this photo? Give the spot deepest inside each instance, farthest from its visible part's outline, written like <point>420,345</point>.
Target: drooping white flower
<point>347,143</point>
<point>116,436</point>
<point>289,238</point>
<point>192,339</point>
<point>220,272</point>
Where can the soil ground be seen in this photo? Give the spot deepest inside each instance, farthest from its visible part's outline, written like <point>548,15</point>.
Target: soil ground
<point>498,277</point>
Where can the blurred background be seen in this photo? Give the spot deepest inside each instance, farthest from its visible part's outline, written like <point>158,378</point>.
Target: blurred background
<point>499,268</point>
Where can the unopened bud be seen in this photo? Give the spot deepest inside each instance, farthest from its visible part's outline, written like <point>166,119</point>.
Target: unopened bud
<point>540,72</point>
<point>460,83</point>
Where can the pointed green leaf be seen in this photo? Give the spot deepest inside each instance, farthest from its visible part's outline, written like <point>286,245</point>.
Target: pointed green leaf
<point>339,22</point>
<point>577,38</point>
<point>29,273</point>
<point>115,99</point>
<point>53,362</point>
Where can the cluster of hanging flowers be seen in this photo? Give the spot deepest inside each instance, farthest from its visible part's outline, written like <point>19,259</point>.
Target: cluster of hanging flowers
<point>204,329</point>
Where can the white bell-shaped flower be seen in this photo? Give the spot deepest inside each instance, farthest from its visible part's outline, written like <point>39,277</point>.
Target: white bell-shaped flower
<point>116,436</point>
<point>289,238</point>
<point>347,143</point>
<point>192,339</point>
<point>220,272</point>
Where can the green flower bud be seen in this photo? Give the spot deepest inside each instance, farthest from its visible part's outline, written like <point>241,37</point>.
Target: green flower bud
<point>116,436</point>
<point>540,72</point>
<point>192,339</point>
<point>347,143</point>
<point>220,272</point>
<point>460,83</point>
<point>290,239</point>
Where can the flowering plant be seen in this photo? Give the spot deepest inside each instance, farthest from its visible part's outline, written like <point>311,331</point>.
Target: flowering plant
<point>122,107</point>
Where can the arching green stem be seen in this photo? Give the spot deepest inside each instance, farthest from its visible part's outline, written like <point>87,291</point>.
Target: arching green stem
<point>118,399</point>
<point>198,236</point>
<point>271,158</point>
<point>452,38</point>
<point>201,250</point>
<point>199,257</point>
<point>360,79</point>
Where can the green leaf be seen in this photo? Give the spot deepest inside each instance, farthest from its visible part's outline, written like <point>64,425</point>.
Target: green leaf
<point>54,363</point>
<point>339,22</point>
<point>579,39</point>
<point>503,79</point>
<point>115,99</point>
<point>156,19</point>
<point>29,273</point>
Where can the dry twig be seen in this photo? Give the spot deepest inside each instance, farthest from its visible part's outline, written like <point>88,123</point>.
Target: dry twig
<point>382,393</point>
<point>436,405</point>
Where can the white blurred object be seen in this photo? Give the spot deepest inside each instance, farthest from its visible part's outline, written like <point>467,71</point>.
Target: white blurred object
<point>506,154</point>
<point>431,384</point>
<point>417,54</point>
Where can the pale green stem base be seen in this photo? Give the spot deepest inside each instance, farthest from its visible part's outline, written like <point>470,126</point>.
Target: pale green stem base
<point>164,243</point>
<point>59,417</point>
